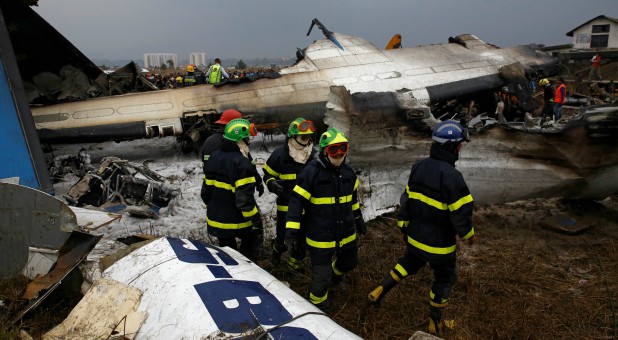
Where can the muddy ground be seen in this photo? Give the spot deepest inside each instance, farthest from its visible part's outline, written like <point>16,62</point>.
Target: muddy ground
<point>518,280</point>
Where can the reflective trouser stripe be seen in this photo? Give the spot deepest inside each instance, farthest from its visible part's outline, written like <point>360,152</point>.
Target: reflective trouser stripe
<point>282,207</point>
<point>317,300</point>
<point>330,244</point>
<point>430,249</point>
<point>250,213</point>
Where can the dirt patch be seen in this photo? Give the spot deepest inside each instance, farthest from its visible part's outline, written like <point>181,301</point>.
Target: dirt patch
<point>518,280</point>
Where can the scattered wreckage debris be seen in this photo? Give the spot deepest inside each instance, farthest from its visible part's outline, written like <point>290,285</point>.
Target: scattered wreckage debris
<point>565,224</point>
<point>70,255</point>
<point>119,185</point>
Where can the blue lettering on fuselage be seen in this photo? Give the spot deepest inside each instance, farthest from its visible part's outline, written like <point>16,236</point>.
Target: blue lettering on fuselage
<point>236,306</point>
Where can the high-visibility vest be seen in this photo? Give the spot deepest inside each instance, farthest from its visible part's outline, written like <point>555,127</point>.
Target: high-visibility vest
<point>558,96</point>
<point>215,74</point>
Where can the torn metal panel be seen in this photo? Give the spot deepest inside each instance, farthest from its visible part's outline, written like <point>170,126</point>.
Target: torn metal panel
<point>72,252</point>
<point>107,311</point>
<point>29,217</point>
<point>213,292</point>
<point>565,224</point>
<point>89,219</point>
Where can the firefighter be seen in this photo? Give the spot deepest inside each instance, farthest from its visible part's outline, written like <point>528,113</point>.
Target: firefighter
<point>326,190</point>
<point>230,179</point>
<point>189,78</point>
<point>213,143</point>
<point>548,100</point>
<point>280,172</point>
<point>436,206</point>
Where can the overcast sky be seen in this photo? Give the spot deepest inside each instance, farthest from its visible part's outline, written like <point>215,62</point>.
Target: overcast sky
<point>126,29</point>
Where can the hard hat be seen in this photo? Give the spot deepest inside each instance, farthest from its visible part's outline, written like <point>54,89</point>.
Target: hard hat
<point>543,81</point>
<point>190,68</point>
<point>301,126</point>
<point>332,136</point>
<point>227,116</point>
<point>239,129</point>
<point>449,131</point>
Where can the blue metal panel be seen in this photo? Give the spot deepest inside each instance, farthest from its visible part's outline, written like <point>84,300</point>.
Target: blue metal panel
<point>14,154</point>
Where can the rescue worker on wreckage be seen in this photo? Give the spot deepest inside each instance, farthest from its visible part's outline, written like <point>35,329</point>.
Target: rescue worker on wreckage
<point>325,214</point>
<point>280,172</point>
<point>548,100</point>
<point>436,206</point>
<point>230,179</point>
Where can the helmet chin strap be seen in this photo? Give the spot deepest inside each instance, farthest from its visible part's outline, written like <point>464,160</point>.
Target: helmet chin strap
<point>299,142</point>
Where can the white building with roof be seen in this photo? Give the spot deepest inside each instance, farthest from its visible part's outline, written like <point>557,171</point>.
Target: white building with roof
<point>597,33</point>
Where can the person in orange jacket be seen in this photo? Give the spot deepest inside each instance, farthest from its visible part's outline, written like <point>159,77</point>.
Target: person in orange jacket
<point>559,98</point>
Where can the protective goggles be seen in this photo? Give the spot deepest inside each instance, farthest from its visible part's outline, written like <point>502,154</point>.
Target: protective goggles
<point>306,125</point>
<point>336,149</point>
<point>253,130</point>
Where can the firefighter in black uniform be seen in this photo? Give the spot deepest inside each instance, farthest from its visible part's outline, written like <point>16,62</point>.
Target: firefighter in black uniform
<point>436,206</point>
<point>326,190</point>
<point>548,100</point>
<point>280,172</point>
<point>230,180</point>
<point>213,143</point>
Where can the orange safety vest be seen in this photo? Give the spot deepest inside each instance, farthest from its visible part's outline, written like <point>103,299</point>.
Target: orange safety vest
<point>558,96</point>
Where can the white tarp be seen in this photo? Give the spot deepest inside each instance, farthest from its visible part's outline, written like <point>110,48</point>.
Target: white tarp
<point>193,290</point>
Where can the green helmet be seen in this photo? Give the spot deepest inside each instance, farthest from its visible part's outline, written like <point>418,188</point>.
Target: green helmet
<point>332,136</point>
<point>239,129</point>
<point>301,126</point>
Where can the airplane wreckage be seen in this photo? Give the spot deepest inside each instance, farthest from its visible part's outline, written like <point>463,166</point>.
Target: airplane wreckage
<point>386,101</point>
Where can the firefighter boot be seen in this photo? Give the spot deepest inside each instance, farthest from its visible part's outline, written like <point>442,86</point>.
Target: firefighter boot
<point>275,258</point>
<point>388,282</point>
<point>435,321</point>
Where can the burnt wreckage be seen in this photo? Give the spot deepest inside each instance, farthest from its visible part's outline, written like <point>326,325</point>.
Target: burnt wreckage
<point>386,101</point>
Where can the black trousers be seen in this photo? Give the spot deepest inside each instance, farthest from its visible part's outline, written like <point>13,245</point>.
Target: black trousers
<point>322,263</point>
<point>248,243</point>
<point>444,271</point>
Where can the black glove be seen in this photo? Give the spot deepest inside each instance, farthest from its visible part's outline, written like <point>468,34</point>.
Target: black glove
<point>360,226</point>
<point>257,225</point>
<point>275,187</point>
<point>203,193</point>
<point>291,244</point>
<point>404,237</point>
<point>260,189</point>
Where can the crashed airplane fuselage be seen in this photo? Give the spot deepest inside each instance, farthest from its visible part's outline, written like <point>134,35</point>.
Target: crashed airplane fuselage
<point>386,101</point>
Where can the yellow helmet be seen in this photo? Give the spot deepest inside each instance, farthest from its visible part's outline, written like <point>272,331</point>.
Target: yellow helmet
<point>190,68</point>
<point>543,81</point>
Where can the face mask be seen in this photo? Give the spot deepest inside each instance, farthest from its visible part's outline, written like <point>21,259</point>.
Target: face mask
<point>336,161</point>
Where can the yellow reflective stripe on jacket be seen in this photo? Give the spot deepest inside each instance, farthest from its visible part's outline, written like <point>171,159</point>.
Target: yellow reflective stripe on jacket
<point>430,249</point>
<point>271,171</point>
<point>292,225</point>
<point>469,234</point>
<point>228,225</point>
<point>288,177</point>
<point>269,179</point>
<point>218,184</point>
<point>330,200</point>
<point>330,244</point>
<point>299,190</point>
<point>244,181</point>
<point>355,206</point>
<point>282,207</point>
<point>427,200</point>
<point>250,213</point>
<point>356,184</point>
<point>460,202</point>
<point>402,224</point>
<point>206,157</point>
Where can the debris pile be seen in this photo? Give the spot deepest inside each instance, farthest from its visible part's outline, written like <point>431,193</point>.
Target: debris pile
<point>119,185</point>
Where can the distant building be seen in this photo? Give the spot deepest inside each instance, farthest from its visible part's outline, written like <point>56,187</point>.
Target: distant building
<point>597,33</point>
<point>198,59</point>
<point>157,59</point>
